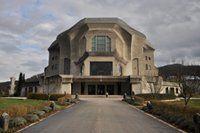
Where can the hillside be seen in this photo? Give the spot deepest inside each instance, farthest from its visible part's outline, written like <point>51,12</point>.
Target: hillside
<point>173,69</point>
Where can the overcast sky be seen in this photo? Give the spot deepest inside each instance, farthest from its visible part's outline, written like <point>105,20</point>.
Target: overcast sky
<point>27,28</point>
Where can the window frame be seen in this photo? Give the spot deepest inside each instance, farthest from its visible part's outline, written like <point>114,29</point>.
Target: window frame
<point>101,43</point>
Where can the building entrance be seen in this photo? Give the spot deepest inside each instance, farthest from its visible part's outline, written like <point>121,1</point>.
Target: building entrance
<point>110,89</point>
<point>91,90</point>
<point>100,89</point>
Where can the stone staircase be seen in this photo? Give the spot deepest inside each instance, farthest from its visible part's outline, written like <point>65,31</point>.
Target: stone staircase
<point>99,96</point>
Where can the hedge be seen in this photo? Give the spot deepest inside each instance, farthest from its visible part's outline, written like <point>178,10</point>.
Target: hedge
<point>139,99</point>
<point>52,97</point>
<point>175,113</point>
<point>62,100</point>
<point>151,96</point>
<point>55,97</point>
<point>38,96</point>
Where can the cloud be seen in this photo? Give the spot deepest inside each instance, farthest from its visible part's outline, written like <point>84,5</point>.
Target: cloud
<point>27,28</point>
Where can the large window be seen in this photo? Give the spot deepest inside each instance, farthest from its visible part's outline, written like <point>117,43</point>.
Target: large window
<point>101,68</point>
<point>101,44</point>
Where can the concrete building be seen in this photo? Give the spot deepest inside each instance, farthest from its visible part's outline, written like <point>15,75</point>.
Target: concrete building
<point>8,88</point>
<point>34,84</point>
<point>99,55</point>
<point>95,56</point>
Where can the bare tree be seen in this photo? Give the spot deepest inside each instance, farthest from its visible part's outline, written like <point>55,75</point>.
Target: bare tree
<point>187,84</point>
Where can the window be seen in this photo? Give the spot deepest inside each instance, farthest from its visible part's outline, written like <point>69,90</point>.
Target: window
<point>101,44</point>
<point>167,90</point>
<point>149,58</point>
<point>67,66</point>
<point>146,66</point>
<point>146,57</point>
<point>81,70</point>
<point>56,66</point>
<point>176,90</point>
<point>149,67</point>
<point>101,68</point>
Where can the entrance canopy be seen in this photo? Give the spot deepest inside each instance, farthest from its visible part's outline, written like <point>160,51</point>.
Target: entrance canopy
<point>101,79</point>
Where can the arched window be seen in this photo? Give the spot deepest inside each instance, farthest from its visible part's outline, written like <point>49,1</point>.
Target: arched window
<point>101,44</point>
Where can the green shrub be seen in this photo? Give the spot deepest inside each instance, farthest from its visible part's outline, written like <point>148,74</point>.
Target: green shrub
<point>64,100</point>
<point>179,120</point>
<point>139,99</point>
<point>38,96</point>
<point>130,101</point>
<point>173,119</point>
<point>31,117</point>
<point>46,109</point>
<point>55,97</point>
<point>191,127</point>
<point>39,113</point>
<point>175,109</point>
<point>152,96</point>
<point>184,124</point>
<point>166,117</point>
<point>17,121</point>
<point>145,108</point>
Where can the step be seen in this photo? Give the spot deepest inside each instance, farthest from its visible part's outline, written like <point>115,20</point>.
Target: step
<point>100,96</point>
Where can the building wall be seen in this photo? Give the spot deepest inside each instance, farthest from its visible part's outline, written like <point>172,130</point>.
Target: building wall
<point>127,46</point>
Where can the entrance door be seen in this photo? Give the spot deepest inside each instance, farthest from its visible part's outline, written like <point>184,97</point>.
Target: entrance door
<point>172,91</point>
<point>101,90</point>
<point>110,89</point>
<point>91,90</point>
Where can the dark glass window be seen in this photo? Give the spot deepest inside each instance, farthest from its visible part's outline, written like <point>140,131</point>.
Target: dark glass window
<point>167,90</point>
<point>146,66</point>
<point>149,58</point>
<point>176,90</point>
<point>101,68</point>
<point>66,66</point>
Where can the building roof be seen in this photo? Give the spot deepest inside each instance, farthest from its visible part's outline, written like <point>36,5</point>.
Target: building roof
<point>173,84</point>
<point>117,21</point>
<point>35,78</point>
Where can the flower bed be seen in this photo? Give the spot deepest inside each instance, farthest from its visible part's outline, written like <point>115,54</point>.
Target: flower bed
<point>151,96</point>
<point>17,107</point>
<point>172,112</point>
<point>25,112</point>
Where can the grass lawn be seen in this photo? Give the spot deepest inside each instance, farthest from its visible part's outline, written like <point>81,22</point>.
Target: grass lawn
<point>194,103</point>
<point>4,102</point>
<point>18,107</point>
<point>196,96</point>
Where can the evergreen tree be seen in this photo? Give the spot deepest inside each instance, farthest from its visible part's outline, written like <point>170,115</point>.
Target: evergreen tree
<point>20,84</point>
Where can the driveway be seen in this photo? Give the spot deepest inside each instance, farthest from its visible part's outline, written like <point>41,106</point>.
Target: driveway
<point>100,115</point>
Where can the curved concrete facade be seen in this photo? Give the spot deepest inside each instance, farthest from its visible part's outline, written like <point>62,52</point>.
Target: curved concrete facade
<point>71,55</point>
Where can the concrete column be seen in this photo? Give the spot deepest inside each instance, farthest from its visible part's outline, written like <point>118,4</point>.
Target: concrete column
<point>96,89</point>
<point>136,88</point>
<point>33,90</point>
<point>66,88</point>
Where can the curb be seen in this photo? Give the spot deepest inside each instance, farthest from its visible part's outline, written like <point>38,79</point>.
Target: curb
<point>157,119</point>
<point>32,124</point>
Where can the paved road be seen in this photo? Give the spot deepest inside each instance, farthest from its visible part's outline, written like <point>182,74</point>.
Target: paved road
<point>100,116</point>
